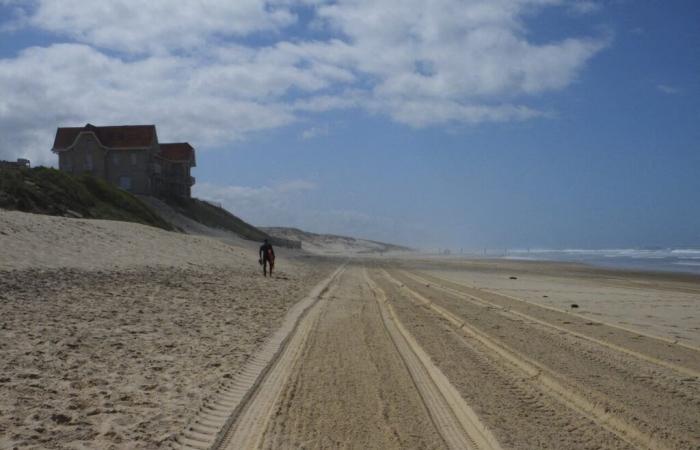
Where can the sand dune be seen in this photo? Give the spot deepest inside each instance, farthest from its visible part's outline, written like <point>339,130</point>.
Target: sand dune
<point>39,241</point>
<point>331,244</point>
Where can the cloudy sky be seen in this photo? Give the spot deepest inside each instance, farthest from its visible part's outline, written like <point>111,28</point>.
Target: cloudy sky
<point>462,123</point>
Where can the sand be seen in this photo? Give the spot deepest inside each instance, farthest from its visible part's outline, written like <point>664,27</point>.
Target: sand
<point>402,358</point>
<point>113,335</point>
<point>543,379</point>
<point>661,304</point>
<point>350,369</point>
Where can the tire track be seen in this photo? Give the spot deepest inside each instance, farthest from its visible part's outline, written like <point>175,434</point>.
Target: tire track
<point>244,399</point>
<point>665,399</point>
<point>480,301</point>
<point>515,408</point>
<point>549,382</point>
<point>351,388</point>
<point>677,348</point>
<point>458,424</point>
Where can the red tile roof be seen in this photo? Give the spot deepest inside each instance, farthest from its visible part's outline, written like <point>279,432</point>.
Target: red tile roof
<point>179,151</point>
<point>122,136</point>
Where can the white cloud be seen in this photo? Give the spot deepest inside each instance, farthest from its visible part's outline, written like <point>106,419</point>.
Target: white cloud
<point>72,84</point>
<point>425,113</point>
<point>314,132</point>
<point>142,27</point>
<point>666,89</point>
<point>192,70</point>
<point>251,201</point>
<point>472,51</point>
<point>585,6</point>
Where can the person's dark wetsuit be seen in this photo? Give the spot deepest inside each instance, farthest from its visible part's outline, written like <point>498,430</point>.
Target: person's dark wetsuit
<point>267,256</point>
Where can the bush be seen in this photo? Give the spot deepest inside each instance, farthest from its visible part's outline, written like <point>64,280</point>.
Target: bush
<point>50,191</point>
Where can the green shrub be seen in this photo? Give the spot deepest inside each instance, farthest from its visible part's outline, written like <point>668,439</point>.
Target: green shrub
<point>50,191</point>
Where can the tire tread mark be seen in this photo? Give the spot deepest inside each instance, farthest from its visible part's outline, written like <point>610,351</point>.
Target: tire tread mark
<point>588,319</point>
<point>578,402</point>
<point>507,311</point>
<point>231,399</point>
<point>458,424</point>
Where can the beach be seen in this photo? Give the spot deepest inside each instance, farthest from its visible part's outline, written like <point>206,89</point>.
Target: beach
<point>117,335</point>
<point>112,333</point>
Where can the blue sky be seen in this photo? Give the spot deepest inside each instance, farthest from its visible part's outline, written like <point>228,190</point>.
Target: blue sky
<point>440,123</point>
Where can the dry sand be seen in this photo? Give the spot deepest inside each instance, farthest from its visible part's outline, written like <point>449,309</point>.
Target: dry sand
<point>350,369</point>
<point>112,335</point>
<point>488,371</point>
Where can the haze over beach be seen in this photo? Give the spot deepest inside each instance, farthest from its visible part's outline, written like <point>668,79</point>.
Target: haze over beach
<point>461,224</point>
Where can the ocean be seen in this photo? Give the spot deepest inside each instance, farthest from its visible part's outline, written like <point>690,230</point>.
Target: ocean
<point>670,260</point>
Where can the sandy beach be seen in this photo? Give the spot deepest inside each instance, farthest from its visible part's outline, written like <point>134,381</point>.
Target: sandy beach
<point>112,333</point>
<point>116,335</point>
<point>345,224</point>
<point>665,305</point>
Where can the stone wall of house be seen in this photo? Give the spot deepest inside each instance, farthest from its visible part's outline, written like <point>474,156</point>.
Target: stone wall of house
<point>86,156</point>
<point>129,170</point>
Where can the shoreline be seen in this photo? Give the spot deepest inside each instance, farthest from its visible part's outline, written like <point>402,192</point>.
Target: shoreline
<point>612,268</point>
<point>623,259</point>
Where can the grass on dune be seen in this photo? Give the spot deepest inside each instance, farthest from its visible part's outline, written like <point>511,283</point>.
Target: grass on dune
<point>49,191</point>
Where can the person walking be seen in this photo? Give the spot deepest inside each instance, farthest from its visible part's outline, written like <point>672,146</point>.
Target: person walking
<point>267,256</point>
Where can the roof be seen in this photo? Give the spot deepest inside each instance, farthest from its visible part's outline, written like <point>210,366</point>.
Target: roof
<point>177,151</point>
<point>121,136</point>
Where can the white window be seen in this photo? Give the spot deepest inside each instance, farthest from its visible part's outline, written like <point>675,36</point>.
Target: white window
<point>115,159</point>
<point>156,168</point>
<point>125,182</point>
<point>88,161</point>
<point>134,159</point>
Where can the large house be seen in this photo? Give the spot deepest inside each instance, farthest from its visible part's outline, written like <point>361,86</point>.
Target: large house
<point>128,156</point>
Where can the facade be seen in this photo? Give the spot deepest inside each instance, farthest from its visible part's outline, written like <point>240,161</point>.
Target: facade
<point>172,169</point>
<point>21,163</point>
<point>127,156</point>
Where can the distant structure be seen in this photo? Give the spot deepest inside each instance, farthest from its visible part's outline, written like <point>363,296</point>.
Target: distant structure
<point>21,163</point>
<point>127,156</point>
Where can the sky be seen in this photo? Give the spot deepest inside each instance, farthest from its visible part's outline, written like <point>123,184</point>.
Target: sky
<point>431,123</point>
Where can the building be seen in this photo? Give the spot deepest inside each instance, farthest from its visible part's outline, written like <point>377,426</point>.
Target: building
<point>21,163</point>
<point>172,169</point>
<point>127,156</point>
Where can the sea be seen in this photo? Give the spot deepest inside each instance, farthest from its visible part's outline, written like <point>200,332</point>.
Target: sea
<point>667,260</point>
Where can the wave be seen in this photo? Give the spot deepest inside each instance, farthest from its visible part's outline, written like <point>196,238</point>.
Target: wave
<point>613,253</point>
<point>669,259</point>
